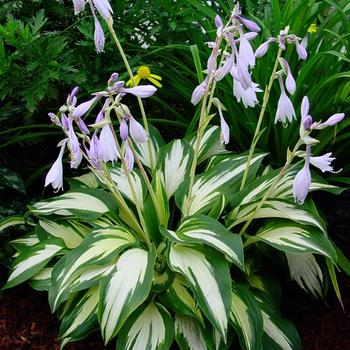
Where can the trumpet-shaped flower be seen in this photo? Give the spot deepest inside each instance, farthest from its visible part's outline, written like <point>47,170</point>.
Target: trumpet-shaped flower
<point>94,152</point>
<point>137,132</point>
<point>142,91</point>
<point>80,110</point>
<point>246,52</point>
<point>301,51</point>
<point>334,119</point>
<point>290,82</point>
<point>323,162</point>
<point>144,72</point>
<point>199,91</point>
<point>285,109</point>
<point>79,6</point>
<point>123,129</point>
<point>128,157</point>
<point>104,8</point>
<point>55,174</point>
<point>302,180</point>
<point>262,49</point>
<point>107,145</point>
<point>99,36</point>
<point>248,96</point>
<point>248,23</point>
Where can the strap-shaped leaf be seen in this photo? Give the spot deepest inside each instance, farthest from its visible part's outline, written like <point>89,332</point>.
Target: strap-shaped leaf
<point>11,221</point>
<point>25,241</point>
<point>305,270</point>
<point>277,208</point>
<point>98,249</point>
<point>293,238</point>
<point>68,234</point>
<point>32,260</point>
<point>42,280</point>
<point>246,318</point>
<point>80,318</point>
<point>151,329</point>
<point>85,203</point>
<point>223,178</point>
<point>209,277</point>
<point>202,229</point>
<point>125,290</point>
<point>189,334</point>
<point>123,185</point>
<point>174,162</point>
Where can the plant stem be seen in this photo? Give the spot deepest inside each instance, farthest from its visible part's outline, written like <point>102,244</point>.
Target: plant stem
<point>290,157</point>
<point>128,68</point>
<point>260,119</point>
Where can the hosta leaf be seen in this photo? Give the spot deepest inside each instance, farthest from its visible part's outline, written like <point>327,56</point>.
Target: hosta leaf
<point>99,248</point>
<point>86,203</point>
<point>151,329</point>
<point>306,272</point>
<point>209,277</point>
<point>80,318</point>
<point>223,178</point>
<point>293,238</point>
<point>202,229</point>
<point>71,237</point>
<point>11,221</point>
<point>210,144</point>
<point>25,241</point>
<point>174,163</point>
<point>123,185</point>
<point>279,333</point>
<point>246,318</point>
<point>189,334</point>
<point>125,290</point>
<point>32,260</point>
<point>277,208</point>
<point>42,280</point>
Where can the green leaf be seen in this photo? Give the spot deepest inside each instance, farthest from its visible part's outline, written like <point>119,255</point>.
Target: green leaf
<point>209,277</point>
<point>42,280</point>
<point>246,318</point>
<point>306,272</point>
<point>200,229</point>
<point>333,276</point>
<point>342,261</point>
<point>11,221</point>
<point>151,329</point>
<point>32,260</point>
<point>197,62</point>
<point>80,318</point>
<point>293,238</point>
<point>174,162</point>
<point>125,289</point>
<point>98,250</point>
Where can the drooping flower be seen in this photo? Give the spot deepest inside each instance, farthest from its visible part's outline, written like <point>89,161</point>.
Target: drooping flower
<point>323,162</point>
<point>301,51</point>
<point>55,174</point>
<point>64,122</point>
<point>107,145</point>
<point>74,146</point>
<point>285,109</point>
<point>123,129</point>
<point>128,157</point>
<point>246,52</point>
<point>104,8</point>
<point>137,132</point>
<point>248,23</point>
<point>306,119</point>
<point>94,152</point>
<point>262,49</point>
<point>80,110</point>
<point>199,91</point>
<point>144,72</point>
<point>248,96</point>
<point>142,91</point>
<point>302,180</point>
<point>225,130</point>
<point>219,25</point>
<point>79,6</point>
<point>334,119</point>
<point>290,82</point>
<point>225,68</point>
<point>99,36</point>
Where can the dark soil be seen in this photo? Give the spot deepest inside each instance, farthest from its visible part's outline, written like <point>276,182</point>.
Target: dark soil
<point>26,321</point>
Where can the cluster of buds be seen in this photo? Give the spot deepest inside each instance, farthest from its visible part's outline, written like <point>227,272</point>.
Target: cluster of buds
<point>104,9</point>
<point>302,181</point>
<point>102,147</point>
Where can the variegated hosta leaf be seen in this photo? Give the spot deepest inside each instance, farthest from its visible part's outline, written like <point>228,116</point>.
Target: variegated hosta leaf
<point>156,142</point>
<point>210,144</point>
<point>125,289</point>
<point>209,277</point>
<point>279,333</point>
<point>180,298</point>
<point>174,163</point>
<point>81,317</point>
<point>11,221</point>
<point>42,280</point>
<point>306,272</point>
<point>293,238</point>
<point>221,179</point>
<point>85,203</point>
<point>277,208</point>
<point>246,318</point>
<point>32,260</point>
<point>202,229</point>
<point>98,250</point>
<point>152,329</point>
<point>123,185</point>
<point>88,180</point>
<point>71,237</point>
<point>25,241</point>
<point>189,334</point>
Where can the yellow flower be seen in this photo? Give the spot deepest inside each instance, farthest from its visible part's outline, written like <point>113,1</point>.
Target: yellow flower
<point>145,73</point>
<point>313,28</point>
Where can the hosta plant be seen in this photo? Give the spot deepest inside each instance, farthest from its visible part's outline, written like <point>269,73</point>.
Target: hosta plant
<point>162,243</point>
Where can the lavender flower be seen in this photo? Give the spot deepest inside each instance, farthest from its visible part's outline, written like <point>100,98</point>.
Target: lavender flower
<point>219,25</point>
<point>306,119</point>
<point>334,119</point>
<point>80,110</point>
<point>290,82</point>
<point>94,152</point>
<point>99,36</point>
<point>240,73</point>
<point>137,132</point>
<point>262,49</point>
<point>82,126</point>
<point>301,51</point>
<point>142,91</point>
<point>54,119</point>
<point>123,129</point>
<point>199,91</point>
<point>302,181</point>
<point>79,6</point>
<point>285,109</point>
<point>128,157</point>
<point>104,8</point>
<point>225,69</point>
<point>225,130</point>
<point>248,23</point>
<point>248,96</point>
<point>74,147</point>
<point>107,145</point>
<point>55,174</point>
<point>64,122</point>
<point>246,52</point>
<point>323,162</point>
